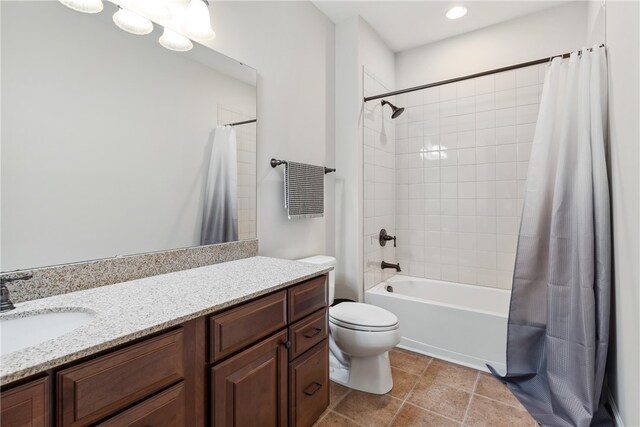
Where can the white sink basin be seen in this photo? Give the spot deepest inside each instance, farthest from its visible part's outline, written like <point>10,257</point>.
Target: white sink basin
<point>17,333</point>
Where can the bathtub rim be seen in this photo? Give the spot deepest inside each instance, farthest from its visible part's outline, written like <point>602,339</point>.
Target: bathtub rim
<point>380,290</point>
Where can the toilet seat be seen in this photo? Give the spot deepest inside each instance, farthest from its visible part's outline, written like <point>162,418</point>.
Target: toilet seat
<point>362,317</point>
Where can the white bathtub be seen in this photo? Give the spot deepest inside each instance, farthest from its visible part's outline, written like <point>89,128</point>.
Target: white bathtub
<point>464,324</point>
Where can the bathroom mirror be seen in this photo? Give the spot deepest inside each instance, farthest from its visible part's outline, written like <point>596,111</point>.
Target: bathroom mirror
<point>113,145</point>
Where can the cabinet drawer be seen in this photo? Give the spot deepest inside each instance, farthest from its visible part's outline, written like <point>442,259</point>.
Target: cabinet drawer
<point>98,388</point>
<point>307,333</point>
<point>236,329</point>
<point>307,297</point>
<point>26,405</point>
<point>309,386</point>
<point>166,409</point>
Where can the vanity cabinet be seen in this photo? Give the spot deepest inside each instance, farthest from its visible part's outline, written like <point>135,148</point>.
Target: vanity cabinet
<point>261,363</point>
<point>26,405</point>
<point>93,390</point>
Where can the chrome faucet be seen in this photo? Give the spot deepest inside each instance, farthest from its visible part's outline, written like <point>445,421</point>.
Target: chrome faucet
<point>5,300</point>
<point>384,265</point>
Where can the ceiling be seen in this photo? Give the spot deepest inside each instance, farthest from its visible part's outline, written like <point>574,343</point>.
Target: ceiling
<point>407,24</point>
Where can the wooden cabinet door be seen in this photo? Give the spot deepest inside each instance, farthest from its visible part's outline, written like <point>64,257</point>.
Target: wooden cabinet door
<point>309,386</point>
<point>250,389</point>
<point>26,405</point>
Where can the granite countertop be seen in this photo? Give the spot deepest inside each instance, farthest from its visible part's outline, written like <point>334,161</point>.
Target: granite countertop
<point>131,310</point>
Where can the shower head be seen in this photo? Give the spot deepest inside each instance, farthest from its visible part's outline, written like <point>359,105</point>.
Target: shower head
<point>396,111</point>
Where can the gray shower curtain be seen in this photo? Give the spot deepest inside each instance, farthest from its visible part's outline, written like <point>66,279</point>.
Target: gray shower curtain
<point>220,208</point>
<point>559,314</point>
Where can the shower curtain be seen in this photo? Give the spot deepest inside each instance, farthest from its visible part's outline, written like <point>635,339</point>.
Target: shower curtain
<point>220,210</point>
<point>559,314</point>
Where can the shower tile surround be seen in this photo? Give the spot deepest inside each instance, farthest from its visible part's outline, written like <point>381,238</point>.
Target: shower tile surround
<point>62,279</point>
<point>379,184</point>
<point>461,157</point>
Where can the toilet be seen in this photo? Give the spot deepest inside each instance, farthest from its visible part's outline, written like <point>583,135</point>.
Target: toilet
<point>361,336</point>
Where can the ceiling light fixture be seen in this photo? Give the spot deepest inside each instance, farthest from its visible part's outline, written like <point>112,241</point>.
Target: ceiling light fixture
<point>153,9</point>
<point>456,12</point>
<point>132,22</point>
<point>198,21</point>
<point>175,41</point>
<point>85,6</point>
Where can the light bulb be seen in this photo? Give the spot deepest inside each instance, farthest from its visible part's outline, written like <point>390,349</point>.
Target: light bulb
<point>174,41</point>
<point>132,22</point>
<point>456,12</point>
<point>154,9</point>
<point>198,22</point>
<point>85,6</point>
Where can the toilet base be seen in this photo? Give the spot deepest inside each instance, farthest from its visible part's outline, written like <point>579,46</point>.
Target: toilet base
<point>368,374</point>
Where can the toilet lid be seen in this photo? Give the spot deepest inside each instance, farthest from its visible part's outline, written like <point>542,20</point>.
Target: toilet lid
<point>355,315</point>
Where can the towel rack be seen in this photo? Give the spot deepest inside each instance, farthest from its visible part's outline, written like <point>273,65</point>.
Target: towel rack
<point>274,163</point>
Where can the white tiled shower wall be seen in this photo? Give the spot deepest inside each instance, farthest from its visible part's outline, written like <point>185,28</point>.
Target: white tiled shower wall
<point>462,154</point>
<point>246,152</point>
<point>379,183</point>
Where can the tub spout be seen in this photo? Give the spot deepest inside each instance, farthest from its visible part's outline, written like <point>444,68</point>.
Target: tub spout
<point>384,265</point>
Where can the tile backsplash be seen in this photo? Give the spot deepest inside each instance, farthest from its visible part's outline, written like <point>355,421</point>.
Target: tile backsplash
<point>462,153</point>
<point>62,279</point>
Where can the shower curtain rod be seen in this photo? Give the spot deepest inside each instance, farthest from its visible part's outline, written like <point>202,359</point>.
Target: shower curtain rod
<point>242,123</point>
<point>470,76</point>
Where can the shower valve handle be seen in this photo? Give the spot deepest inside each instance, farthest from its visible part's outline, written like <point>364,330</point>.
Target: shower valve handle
<point>384,238</point>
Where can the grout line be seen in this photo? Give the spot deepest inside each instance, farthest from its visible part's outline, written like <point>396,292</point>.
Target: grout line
<point>347,418</point>
<point>500,401</point>
<point>341,398</point>
<point>471,395</point>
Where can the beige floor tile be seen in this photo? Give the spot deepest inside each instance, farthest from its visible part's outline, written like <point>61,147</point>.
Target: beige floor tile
<point>408,361</point>
<point>485,412</point>
<point>403,382</point>
<point>451,375</point>
<point>368,409</point>
<point>336,392</point>
<point>412,416</point>
<point>442,399</point>
<point>490,387</point>
<point>333,419</point>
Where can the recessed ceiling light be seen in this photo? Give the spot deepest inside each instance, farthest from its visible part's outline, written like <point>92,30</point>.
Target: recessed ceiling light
<point>456,12</point>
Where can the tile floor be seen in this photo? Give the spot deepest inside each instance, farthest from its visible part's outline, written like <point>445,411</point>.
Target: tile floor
<point>428,392</point>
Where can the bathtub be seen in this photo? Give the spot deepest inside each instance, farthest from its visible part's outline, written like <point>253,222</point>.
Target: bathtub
<point>464,324</point>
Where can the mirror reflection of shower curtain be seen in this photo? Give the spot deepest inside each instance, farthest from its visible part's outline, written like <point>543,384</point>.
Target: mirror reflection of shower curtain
<point>220,209</point>
<point>559,315</point>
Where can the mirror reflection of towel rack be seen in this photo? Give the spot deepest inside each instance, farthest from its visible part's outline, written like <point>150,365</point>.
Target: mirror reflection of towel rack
<point>275,163</point>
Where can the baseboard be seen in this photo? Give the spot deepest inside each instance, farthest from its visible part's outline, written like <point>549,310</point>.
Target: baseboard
<point>617,419</point>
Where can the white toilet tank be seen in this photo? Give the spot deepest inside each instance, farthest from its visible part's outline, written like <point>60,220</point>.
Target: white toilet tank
<point>325,261</point>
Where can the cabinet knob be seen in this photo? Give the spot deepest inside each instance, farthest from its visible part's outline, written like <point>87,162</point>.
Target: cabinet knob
<point>287,344</point>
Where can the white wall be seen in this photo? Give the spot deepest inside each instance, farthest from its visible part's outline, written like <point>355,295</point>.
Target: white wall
<point>291,44</point>
<point>623,47</point>
<point>102,154</point>
<point>358,48</point>
<point>348,161</point>
<point>549,32</point>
